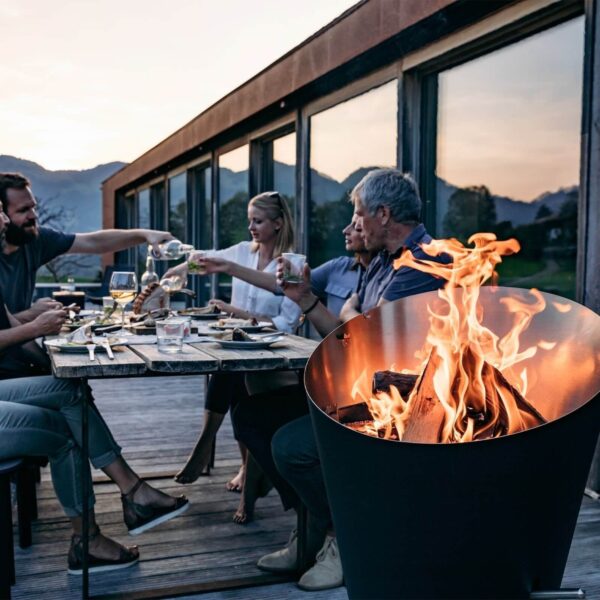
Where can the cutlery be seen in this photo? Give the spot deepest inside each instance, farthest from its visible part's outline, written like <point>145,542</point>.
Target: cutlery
<point>109,351</point>
<point>91,350</point>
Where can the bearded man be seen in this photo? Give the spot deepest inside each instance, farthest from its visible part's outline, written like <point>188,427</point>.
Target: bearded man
<point>29,246</point>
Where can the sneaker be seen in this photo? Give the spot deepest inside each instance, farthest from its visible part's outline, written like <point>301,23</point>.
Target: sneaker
<point>327,570</point>
<point>284,560</point>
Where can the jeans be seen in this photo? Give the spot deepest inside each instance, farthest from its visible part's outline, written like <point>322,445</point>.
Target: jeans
<point>297,459</point>
<point>41,416</point>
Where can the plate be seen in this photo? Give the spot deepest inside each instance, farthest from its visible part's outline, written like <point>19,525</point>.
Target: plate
<point>188,312</point>
<point>253,345</point>
<point>64,345</point>
<point>247,328</point>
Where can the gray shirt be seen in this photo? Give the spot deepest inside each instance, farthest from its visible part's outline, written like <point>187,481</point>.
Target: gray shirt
<point>18,270</point>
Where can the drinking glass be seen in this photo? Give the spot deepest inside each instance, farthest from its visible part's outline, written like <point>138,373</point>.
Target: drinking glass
<point>169,335</point>
<point>294,269</point>
<point>123,289</point>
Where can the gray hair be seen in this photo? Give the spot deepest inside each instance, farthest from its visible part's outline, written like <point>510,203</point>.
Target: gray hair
<point>389,187</point>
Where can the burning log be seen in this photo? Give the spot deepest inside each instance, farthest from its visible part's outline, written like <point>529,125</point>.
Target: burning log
<point>425,414</point>
<point>404,382</point>
<point>505,410</point>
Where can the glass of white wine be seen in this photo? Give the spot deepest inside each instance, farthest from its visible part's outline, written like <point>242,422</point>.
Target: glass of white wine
<point>123,288</point>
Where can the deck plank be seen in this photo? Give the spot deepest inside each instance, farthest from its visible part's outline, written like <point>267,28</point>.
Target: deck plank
<point>156,420</point>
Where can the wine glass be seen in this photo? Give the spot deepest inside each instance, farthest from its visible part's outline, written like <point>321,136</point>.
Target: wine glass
<point>123,288</point>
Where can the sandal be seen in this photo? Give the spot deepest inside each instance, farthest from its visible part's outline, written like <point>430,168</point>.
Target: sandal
<point>127,557</point>
<point>140,518</point>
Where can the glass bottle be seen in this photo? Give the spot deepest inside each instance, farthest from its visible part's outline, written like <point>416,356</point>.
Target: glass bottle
<point>171,250</point>
<point>149,276</point>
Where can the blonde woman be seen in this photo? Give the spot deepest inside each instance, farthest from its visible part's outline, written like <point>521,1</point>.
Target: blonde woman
<point>270,225</point>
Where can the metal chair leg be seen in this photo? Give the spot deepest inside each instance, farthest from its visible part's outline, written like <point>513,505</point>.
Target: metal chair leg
<point>25,489</point>
<point>7,567</point>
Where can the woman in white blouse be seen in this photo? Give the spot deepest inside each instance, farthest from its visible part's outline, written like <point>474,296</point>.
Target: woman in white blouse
<point>270,225</point>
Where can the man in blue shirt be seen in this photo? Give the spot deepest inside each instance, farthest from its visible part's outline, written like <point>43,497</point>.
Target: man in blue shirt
<point>387,211</point>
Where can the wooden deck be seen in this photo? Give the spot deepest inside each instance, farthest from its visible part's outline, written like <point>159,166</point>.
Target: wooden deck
<point>156,420</point>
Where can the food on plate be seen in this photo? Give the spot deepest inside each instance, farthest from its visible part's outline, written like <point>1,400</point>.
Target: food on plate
<point>236,335</point>
<point>232,322</point>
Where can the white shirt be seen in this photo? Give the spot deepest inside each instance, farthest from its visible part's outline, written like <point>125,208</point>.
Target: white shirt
<point>284,313</point>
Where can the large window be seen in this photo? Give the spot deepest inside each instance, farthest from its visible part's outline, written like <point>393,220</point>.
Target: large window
<point>178,206</point>
<point>201,219</point>
<point>347,141</point>
<point>508,137</point>
<point>143,222</point>
<point>284,169</point>
<point>233,204</point>
<point>233,197</point>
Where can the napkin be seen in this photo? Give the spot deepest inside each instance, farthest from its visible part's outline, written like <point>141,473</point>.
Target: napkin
<point>82,335</point>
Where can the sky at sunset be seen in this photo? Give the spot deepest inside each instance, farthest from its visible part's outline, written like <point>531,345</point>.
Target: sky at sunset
<point>89,82</point>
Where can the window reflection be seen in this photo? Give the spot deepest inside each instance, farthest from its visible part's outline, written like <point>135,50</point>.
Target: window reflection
<point>284,169</point>
<point>233,205</point>
<point>143,222</point>
<point>178,206</point>
<point>508,154</point>
<point>347,141</point>
<point>233,197</point>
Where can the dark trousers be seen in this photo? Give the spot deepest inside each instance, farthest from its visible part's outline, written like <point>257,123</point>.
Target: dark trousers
<point>224,391</point>
<point>297,459</point>
<point>256,419</point>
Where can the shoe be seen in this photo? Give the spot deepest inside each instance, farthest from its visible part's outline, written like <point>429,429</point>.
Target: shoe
<point>140,518</point>
<point>127,558</point>
<point>284,560</point>
<point>327,570</point>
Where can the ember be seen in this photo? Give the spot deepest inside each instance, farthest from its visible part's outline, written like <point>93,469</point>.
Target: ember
<point>472,382</point>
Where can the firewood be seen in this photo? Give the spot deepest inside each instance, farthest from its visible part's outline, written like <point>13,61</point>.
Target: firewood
<point>404,382</point>
<point>425,413</point>
<point>354,413</point>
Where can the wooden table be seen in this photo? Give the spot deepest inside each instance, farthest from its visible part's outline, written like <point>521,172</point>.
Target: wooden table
<point>196,358</point>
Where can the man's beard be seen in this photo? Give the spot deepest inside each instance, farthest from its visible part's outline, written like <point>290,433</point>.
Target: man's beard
<point>17,236</point>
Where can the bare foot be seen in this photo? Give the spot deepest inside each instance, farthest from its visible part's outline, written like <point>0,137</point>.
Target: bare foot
<point>237,483</point>
<point>196,463</point>
<point>256,485</point>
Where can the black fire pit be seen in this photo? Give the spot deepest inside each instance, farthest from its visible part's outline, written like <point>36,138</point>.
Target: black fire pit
<point>484,519</point>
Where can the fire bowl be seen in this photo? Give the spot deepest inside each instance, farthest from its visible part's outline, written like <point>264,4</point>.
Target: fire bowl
<point>484,519</point>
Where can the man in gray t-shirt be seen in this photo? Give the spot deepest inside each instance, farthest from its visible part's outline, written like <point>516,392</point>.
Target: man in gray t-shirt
<point>28,246</point>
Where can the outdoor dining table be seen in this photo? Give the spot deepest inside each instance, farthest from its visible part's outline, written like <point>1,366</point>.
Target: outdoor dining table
<point>198,357</point>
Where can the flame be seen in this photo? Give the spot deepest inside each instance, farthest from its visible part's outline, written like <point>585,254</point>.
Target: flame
<point>472,380</point>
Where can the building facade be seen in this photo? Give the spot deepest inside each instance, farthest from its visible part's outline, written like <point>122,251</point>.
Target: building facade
<point>493,106</point>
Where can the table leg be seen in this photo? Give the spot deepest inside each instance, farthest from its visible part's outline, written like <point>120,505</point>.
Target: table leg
<point>85,518</point>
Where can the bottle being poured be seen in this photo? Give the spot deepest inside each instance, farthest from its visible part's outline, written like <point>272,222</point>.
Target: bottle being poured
<point>171,250</point>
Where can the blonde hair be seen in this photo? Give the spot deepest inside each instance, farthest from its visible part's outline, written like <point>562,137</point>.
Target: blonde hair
<point>275,207</point>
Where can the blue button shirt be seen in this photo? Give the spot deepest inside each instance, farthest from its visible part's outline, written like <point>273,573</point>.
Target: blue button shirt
<point>381,280</point>
<point>336,280</point>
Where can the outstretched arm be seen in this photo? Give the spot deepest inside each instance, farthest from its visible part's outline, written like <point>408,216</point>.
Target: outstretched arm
<point>113,240</point>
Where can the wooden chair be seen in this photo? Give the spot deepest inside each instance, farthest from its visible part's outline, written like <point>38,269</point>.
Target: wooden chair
<point>24,473</point>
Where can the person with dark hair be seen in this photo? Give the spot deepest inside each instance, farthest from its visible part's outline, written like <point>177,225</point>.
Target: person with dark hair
<point>41,416</point>
<point>29,246</point>
<point>270,225</point>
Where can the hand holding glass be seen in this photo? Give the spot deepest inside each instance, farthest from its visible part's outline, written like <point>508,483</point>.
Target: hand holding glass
<point>123,289</point>
<point>293,267</point>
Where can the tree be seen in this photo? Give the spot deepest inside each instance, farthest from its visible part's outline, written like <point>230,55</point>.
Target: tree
<point>470,209</point>
<point>51,214</point>
<point>543,212</point>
